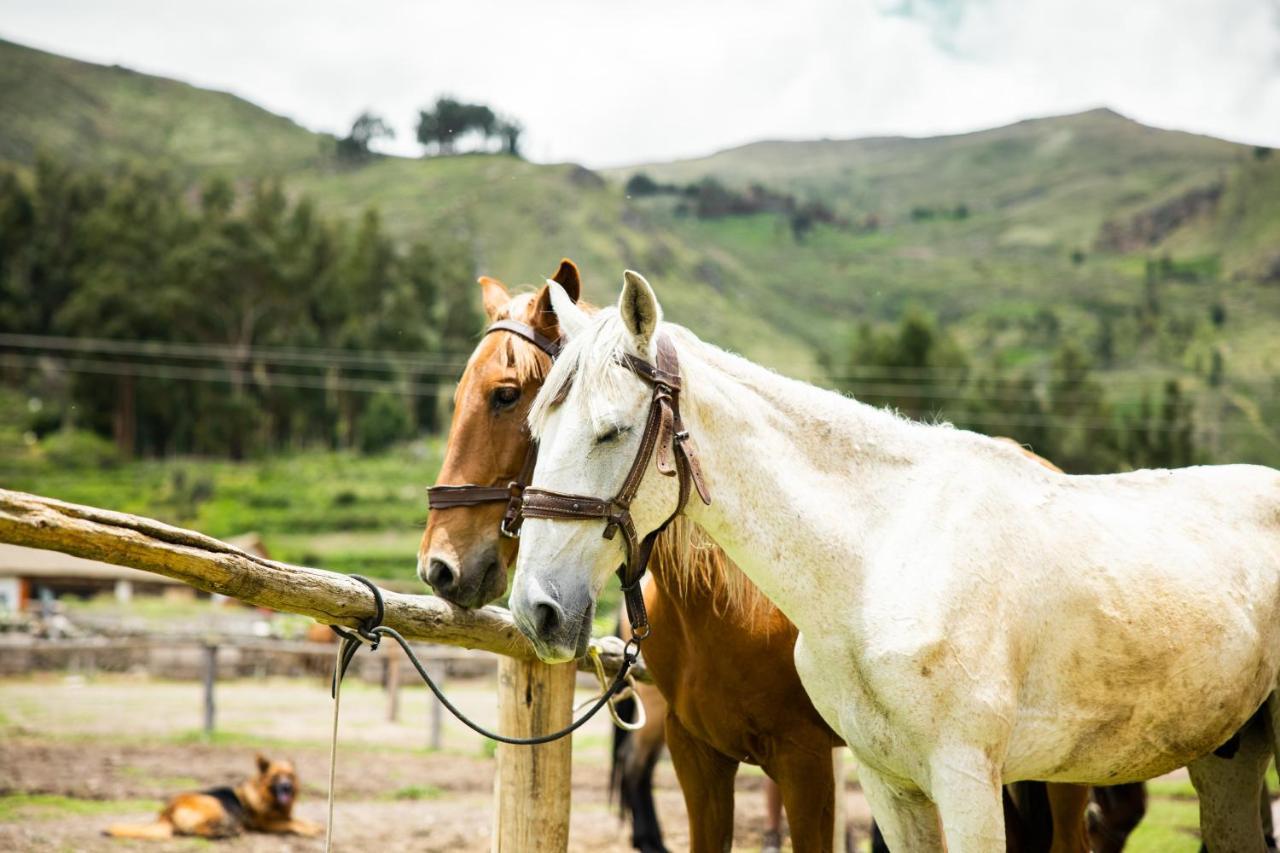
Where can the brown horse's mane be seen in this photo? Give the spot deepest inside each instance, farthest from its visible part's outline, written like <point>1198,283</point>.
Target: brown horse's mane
<point>693,566</point>
<point>690,564</point>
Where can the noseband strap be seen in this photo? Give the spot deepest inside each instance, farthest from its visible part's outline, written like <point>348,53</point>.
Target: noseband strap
<point>664,436</point>
<point>447,497</point>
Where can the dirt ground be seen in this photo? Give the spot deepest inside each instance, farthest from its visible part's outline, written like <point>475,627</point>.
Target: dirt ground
<point>114,747</point>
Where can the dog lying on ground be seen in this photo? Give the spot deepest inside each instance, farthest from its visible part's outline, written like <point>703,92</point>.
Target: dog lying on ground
<point>263,803</point>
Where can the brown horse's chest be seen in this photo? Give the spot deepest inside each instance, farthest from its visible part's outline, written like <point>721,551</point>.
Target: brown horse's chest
<point>732,683</point>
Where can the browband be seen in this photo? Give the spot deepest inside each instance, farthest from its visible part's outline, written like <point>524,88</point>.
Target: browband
<point>447,497</point>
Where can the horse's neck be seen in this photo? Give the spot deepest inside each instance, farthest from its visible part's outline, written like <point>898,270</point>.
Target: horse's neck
<point>799,476</point>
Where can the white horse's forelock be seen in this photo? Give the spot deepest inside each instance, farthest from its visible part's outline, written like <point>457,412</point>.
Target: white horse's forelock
<point>589,363</point>
<point>685,556</point>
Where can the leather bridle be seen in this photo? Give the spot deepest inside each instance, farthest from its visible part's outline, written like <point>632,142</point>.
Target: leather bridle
<point>664,435</point>
<point>446,497</point>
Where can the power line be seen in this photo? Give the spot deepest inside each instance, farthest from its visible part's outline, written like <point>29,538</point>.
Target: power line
<point>225,376</point>
<point>318,356</point>
<point>456,361</point>
<point>313,382</point>
<point>884,392</point>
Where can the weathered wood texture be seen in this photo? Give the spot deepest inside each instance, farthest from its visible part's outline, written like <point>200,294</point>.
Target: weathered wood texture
<point>533,783</point>
<point>214,566</point>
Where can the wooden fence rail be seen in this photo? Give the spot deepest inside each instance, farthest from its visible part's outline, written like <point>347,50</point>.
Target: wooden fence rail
<point>532,785</point>
<point>214,566</point>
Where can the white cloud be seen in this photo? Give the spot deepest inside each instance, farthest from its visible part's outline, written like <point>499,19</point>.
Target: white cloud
<point>618,82</point>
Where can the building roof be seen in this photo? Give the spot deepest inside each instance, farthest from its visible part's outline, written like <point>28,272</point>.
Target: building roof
<point>18,561</point>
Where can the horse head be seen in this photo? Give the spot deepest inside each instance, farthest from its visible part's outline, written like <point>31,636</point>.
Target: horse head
<point>463,555</point>
<point>595,421</point>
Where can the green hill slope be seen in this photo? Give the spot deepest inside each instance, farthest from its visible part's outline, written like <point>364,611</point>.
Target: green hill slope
<point>87,113</point>
<point>518,218</point>
<point>1060,176</point>
<point>1060,219</point>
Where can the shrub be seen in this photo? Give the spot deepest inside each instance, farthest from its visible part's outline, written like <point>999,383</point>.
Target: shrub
<point>382,424</point>
<point>79,449</point>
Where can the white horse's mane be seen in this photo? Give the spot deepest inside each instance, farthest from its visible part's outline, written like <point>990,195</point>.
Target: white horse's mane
<point>590,367</point>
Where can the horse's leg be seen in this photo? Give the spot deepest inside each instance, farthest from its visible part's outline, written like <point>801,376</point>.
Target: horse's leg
<point>966,787</point>
<point>1068,804</point>
<point>1229,789</point>
<point>906,819</point>
<point>1119,810</point>
<point>808,789</point>
<point>706,778</point>
<point>637,773</point>
<point>1268,820</point>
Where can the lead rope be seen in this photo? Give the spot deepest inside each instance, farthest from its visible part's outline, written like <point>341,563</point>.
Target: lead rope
<point>371,630</point>
<point>333,752</point>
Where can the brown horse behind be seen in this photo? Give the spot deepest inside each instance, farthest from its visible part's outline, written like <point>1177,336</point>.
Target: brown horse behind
<point>719,652</point>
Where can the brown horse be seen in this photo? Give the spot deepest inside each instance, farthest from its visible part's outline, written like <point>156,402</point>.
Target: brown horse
<point>720,653</point>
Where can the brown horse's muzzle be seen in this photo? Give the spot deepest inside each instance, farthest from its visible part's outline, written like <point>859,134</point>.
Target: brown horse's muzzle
<point>473,580</point>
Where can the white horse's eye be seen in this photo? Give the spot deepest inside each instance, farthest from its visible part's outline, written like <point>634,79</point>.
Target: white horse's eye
<point>612,433</point>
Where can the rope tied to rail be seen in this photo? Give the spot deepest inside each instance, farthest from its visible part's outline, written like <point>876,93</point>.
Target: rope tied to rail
<point>371,630</point>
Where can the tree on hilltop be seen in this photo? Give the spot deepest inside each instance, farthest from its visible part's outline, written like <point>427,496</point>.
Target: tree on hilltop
<point>441,127</point>
<point>366,129</point>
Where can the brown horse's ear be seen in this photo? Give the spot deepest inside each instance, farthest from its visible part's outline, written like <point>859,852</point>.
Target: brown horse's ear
<point>568,278</point>
<point>263,763</point>
<point>495,297</point>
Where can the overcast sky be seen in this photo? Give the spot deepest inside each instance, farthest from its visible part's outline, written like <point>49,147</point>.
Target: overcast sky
<point>608,82</point>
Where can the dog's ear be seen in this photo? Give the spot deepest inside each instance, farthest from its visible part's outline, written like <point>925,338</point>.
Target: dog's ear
<point>263,763</point>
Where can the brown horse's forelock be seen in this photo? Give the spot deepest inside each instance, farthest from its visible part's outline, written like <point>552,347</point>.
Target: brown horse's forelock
<point>529,363</point>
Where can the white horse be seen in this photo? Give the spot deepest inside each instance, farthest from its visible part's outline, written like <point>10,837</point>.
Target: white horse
<point>967,616</point>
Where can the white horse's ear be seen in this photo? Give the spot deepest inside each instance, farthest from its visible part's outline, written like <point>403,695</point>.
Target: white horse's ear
<point>572,318</point>
<point>639,308</point>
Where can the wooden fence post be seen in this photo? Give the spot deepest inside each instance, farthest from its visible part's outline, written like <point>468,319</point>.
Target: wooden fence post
<point>393,683</point>
<point>533,783</point>
<point>437,672</point>
<point>210,677</point>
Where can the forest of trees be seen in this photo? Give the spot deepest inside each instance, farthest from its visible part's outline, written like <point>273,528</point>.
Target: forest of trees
<point>225,319</point>
<point>1059,410</point>
<point>708,198</point>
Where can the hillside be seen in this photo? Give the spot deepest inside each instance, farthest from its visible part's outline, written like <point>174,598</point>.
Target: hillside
<point>87,113</point>
<point>1058,177</point>
<point>1018,238</point>
<point>519,218</point>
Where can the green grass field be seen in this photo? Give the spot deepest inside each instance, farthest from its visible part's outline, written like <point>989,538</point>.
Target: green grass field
<point>334,510</point>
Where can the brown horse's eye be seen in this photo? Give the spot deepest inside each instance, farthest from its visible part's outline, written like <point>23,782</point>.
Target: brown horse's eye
<point>504,396</point>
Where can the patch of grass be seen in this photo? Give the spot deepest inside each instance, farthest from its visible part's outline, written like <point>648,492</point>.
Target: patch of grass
<point>183,783</point>
<point>1171,789</point>
<point>1170,826</point>
<point>14,807</point>
<point>418,792</point>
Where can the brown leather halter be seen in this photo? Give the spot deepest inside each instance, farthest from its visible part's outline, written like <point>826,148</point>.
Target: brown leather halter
<point>445,497</point>
<point>664,435</point>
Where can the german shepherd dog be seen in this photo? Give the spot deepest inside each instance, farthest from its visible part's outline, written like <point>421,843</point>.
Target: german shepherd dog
<point>263,803</point>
